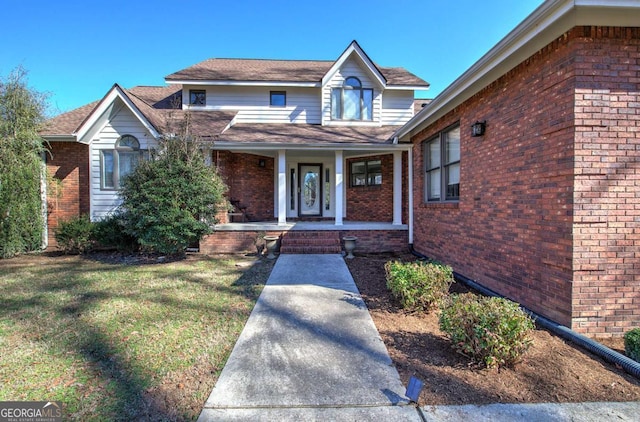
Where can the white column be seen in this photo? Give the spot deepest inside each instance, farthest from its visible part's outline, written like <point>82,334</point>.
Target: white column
<point>339,187</point>
<point>397,187</point>
<point>410,189</point>
<point>281,193</point>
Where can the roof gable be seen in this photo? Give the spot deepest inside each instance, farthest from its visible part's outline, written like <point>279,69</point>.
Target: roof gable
<point>354,50</point>
<point>99,114</point>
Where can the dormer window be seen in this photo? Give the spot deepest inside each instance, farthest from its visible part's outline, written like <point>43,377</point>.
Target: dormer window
<point>197,97</point>
<point>352,101</point>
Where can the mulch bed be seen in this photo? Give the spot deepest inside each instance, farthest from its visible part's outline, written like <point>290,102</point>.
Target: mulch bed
<point>553,370</point>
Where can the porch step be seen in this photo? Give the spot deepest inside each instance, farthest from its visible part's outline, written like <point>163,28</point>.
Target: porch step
<point>304,242</point>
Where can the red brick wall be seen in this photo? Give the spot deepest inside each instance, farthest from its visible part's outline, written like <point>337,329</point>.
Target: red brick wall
<point>371,203</point>
<point>513,229</point>
<point>606,238</point>
<point>69,164</point>
<point>248,183</point>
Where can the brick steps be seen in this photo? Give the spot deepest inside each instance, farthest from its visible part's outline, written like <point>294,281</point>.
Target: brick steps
<point>323,242</point>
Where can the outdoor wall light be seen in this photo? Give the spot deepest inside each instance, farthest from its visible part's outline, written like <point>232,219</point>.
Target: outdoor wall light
<point>261,163</point>
<point>477,129</point>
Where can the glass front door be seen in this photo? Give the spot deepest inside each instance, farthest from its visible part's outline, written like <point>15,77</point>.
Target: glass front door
<point>310,190</point>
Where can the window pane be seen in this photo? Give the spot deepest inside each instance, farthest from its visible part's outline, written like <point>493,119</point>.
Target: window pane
<point>127,161</point>
<point>278,98</point>
<point>107,169</point>
<point>197,97</point>
<point>359,180</point>
<point>434,155</point>
<point>453,181</point>
<point>434,184</point>
<point>358,174</point>
<point>358,167</point>
<point>367,99</point>
<point>453,174</point>
<point>292,186</point>
<point>336,102</point>
<point>352,82</point>
<point>128,141</point>
<point>374,172</point>
<point>327,189</point>
<point>351,105</point>
<point>453,145</point>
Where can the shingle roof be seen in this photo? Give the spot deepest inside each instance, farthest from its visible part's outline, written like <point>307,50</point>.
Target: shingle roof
<point>259,70</point>
<point>153,101</point>
<point>67,123</point>
<point>303,134</point>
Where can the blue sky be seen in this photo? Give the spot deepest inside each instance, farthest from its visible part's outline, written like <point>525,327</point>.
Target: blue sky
<point>76,50</point>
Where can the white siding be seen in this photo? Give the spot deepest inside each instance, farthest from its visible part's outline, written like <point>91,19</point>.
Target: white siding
<point>252,103</point>
<point>123,122</point>
<point>397,107</point>
<point>351,68</point>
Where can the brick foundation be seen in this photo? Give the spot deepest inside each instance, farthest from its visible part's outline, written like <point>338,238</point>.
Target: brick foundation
<point>369,241</point>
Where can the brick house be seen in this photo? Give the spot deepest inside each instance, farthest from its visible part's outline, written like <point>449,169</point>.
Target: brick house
<point>544,206</point>
<point>305,148</point>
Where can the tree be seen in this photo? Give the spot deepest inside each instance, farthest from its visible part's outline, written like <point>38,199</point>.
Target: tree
<point>171,200</point>
<point>21,115</point>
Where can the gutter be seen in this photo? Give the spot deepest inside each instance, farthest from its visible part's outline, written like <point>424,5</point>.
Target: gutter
<point>629,365</point>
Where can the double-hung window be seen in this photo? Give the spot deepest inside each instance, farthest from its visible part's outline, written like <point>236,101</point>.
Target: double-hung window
<point>442,166</point>
<point>366,173</point>
<point>118,162</point>
<point>352,101</point>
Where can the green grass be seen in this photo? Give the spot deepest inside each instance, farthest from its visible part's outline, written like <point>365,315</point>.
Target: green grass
<point>121,342</point>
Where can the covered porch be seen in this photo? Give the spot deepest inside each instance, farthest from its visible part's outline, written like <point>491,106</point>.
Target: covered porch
<point>333,181</point>
<point>332,186</point>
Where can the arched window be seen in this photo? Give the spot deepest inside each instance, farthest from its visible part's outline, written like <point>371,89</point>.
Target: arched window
<point>120,161</point>
<point>352,101</point>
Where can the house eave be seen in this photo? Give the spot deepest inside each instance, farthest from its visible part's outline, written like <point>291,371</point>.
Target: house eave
<point>256,146</point>
<point>60,138</point>
<point>407,87</point>
<point>245,83</point>
<point>546,23</point>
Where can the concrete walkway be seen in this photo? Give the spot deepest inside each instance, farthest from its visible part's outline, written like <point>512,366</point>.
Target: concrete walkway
<point>311,352</point>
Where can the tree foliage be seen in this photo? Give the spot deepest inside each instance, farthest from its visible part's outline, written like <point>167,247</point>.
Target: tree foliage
<point>171,200</point>
<point>21,115</point>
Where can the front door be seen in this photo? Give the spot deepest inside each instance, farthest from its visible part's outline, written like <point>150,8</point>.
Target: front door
<point>310,190</point>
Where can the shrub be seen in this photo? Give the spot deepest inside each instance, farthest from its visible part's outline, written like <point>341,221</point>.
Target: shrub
<point>21,173</point>
<point>172,199</point>
<point>75,235</point>
<point>632,344</point>
<point>489,330</point>
<point>110,233</point>
<point>418,285</point>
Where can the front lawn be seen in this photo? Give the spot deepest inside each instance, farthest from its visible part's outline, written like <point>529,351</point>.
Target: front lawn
<point>117,341</point>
